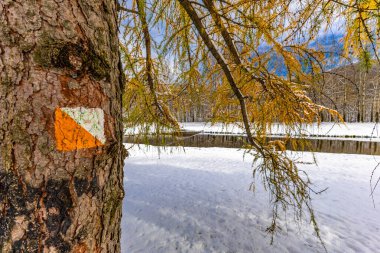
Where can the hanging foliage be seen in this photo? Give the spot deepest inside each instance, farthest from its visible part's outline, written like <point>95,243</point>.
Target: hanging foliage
<point>227,54</point>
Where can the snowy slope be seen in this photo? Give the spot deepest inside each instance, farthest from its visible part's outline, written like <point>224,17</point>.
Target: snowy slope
<point>198,201</point>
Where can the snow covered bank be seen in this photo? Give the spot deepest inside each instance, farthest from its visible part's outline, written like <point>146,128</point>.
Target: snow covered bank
<point>326,129</point>
<point>198,201</point>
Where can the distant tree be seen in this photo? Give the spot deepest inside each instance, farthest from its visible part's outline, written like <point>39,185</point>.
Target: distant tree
<point>352,90</point>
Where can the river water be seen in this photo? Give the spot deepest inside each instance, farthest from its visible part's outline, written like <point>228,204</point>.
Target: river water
<point>194,139</point>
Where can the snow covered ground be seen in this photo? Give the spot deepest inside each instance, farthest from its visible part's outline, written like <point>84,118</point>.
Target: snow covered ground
<point>325,129</point>
<point>198,200</point>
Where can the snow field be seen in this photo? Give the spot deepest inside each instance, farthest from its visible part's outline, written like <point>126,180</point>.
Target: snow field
<point>198,200</point>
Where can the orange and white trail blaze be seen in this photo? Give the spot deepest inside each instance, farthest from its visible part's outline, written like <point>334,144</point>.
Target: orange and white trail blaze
<point>79,128</point>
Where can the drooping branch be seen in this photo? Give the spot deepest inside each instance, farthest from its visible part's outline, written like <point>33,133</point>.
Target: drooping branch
<point>141,5</point>
<point>226,70</point>
<point>228,40</point>
<point>271,85</point>
<point>279,173</point>
<point>122,8</point>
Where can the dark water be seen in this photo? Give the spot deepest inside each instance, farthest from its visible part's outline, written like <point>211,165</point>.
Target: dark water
<point>192,139</point>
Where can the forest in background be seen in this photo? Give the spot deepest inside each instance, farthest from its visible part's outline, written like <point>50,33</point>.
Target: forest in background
<point>351,90</point>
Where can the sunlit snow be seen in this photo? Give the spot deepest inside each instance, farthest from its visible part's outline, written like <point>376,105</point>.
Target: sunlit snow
<point>198,200</point>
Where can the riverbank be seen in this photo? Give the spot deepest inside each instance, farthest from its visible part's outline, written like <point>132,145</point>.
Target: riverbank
<point>349,131</point>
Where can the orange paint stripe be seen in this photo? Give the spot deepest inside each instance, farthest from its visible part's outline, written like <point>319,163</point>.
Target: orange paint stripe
<point>69,135</point>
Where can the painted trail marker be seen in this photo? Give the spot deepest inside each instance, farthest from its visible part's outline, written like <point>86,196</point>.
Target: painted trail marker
<point>79,128</point>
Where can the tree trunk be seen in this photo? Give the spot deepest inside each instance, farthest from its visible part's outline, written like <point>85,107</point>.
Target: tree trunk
<point>61,153</point>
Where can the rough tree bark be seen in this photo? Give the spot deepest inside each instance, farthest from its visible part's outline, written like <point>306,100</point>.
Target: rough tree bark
<point>59,54</point>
